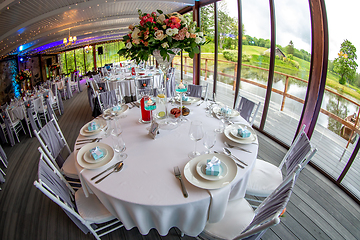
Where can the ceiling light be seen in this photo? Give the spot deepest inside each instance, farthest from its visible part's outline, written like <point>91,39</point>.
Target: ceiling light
<point>71,40</point>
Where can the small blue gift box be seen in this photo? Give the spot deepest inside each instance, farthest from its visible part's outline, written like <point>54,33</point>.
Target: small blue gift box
<point>226,110</point>
<point>244,133</point>
<point>212,167</point>
<point>116,108</point>
<point>185,98</point>
<point>96,153</point>
<point>93,126</point>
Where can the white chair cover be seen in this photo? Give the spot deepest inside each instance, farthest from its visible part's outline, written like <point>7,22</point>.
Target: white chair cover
<point>194,90</point>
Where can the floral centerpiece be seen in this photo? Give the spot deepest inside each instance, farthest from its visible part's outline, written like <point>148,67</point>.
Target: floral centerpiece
<point>166,33</point>
<point>22,76</point>
<point>54,67</point>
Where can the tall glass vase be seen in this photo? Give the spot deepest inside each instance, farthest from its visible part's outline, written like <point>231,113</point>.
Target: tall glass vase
<point>164,65</point>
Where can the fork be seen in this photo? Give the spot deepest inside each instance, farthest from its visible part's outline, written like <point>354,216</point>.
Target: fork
<point>178,176</point>
<point>237,147</point>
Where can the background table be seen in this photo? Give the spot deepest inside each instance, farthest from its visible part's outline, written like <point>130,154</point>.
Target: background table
<point>146,194</point>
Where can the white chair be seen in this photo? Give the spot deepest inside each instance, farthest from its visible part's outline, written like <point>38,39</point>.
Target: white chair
<point>265,177</point>
<point>199,91</point>
<point>247,108</point>
<point>14,125</point>
<point>56,104</point>
<point>107,99</point>
<point>41,108</point>
<point>144,86</point>
<point>242,222</point>
<point>53,142</point>
<point>88,213</point>
<point>3,157</point>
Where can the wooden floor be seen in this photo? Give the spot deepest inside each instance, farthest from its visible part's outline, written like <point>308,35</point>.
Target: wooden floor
<point>317,209</point>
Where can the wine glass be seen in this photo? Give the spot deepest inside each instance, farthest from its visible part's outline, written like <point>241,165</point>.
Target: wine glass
<point>117,127</point>
<point>196,133</point>
<point>209,140</point>
<point>118,145</point>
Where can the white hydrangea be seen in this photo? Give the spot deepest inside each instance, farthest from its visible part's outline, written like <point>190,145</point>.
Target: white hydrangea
<point>135,33</point>
<point>198,40</point>
<point>171,32</point>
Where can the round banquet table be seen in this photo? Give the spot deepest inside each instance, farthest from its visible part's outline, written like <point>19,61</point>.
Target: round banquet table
<point>146,194</point>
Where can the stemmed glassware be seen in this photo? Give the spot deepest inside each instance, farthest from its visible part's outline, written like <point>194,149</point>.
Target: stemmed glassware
<point>118,145</point>
<point>196,133</point>
<point>209,140</point>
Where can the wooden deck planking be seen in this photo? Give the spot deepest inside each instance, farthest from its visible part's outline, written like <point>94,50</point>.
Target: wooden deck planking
<point>311,214</point>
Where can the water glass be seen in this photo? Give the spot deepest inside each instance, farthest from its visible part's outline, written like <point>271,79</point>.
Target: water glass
<point>196,133</point>
<point>209,140</point>
<point>118,145</point>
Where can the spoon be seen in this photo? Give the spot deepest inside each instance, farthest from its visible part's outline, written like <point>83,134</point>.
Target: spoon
<point>116,169</point>
<point>235,162</point>
<point>228,152</point>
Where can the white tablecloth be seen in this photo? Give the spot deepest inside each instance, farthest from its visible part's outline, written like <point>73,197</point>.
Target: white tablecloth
<point>146,194</point>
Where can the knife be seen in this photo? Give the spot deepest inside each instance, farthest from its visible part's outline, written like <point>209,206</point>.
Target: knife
<point>109,168</point>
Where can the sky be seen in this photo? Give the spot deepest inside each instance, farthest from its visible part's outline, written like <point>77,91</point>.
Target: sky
<point>293,22</point>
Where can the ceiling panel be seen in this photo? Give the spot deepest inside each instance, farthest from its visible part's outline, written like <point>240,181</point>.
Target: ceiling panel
<point>32,26</point>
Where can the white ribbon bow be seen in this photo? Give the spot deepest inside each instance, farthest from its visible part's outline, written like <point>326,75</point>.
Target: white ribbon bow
<point>213,162</point>
<point>96,151</point>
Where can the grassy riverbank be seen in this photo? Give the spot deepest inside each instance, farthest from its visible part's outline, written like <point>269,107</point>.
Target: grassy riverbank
<point>260,60</point>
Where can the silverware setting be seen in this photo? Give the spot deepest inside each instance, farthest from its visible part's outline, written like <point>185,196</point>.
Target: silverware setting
<point>231,158</point>
<point>237,147</point>
<point>87,140</point>
<point>228,152</point>
<point>178,176</point>
<point>94,140</point>
<point>109,168</point>
<point>117,168</point>
<point>200,103</point>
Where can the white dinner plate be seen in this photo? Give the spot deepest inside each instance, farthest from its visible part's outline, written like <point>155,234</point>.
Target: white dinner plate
<point>189,101</point>
<point>86,133</point>
<point>248,140</point>
<point>86,148</point>
<point>195,179</point>
<point>201,170</point>
<point>109,112</point>
<point>234,113</point>
<point>89,159</point>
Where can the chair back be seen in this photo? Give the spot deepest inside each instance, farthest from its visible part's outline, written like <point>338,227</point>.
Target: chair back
<point>299,153</point>
<point>144,86</point>
<point>199,91</point>
<point>269,211</point>
<point>107,99</point>
<point>54,186</point>
<point>247,108</point>
<point>3,157</point>
<point>52,141</point>
<point>170,84</point>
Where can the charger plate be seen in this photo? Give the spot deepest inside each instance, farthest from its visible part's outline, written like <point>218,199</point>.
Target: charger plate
<point>86,148</point>
<point>249,140</point>
<point>195,179</point>
<point>86,133</point>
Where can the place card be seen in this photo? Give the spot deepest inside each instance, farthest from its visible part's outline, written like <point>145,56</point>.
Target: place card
<point>154,129</point>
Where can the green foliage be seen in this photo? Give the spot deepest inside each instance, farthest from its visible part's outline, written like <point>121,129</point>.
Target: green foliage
<point>342,81</point>
<point>290,56</point>
<point>290,49</point>
<point>345,65</point>
<point>231,55</point>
